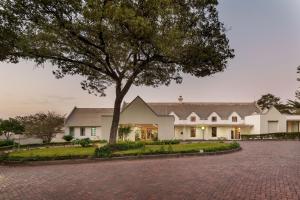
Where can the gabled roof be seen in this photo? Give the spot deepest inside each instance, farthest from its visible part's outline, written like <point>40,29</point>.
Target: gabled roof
<point>203,110</point>
<point>87,116</point>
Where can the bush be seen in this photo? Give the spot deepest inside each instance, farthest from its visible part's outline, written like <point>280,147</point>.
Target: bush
<point>83,142</point>
<point>103,152</point>
<point>291,136</point>
<point>126,145</point>
<point>5,143</point>
<point>161,142</point>
<point>107,150</point>
<point>68,138</point>
<point>101,141</point>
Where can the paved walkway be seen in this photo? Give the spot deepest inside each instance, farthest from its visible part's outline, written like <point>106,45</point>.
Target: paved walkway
<point>262,170</point>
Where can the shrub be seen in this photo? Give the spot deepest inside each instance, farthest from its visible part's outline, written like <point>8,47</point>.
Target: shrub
<point>106,151</point>
<point>170,148</point>
<point>161,142</point>
<point>68,138</point>
<point>137,137</point>
<point>284,135</point>
<point>103,152</point>
<point>126,145</point>
<point>5,143</point>
<point>83,142</point>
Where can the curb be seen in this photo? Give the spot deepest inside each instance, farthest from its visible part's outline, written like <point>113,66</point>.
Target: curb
<point>125,158</point>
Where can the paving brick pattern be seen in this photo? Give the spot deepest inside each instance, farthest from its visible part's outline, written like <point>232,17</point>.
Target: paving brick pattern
<point>262,170</point>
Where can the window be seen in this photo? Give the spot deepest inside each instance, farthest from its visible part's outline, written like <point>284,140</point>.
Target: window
<point>234,119</point>
<point>82,131</point>
<point>214,131</point>
<point>71,131</point>
<point>193,118</point>
<point>214,119</point>
<point>193,132</point>
<point>93,131</point>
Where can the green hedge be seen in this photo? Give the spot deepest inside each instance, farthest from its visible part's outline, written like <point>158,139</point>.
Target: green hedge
<point>6,158</point>
<point>5,143</point>
<point>161,142</point>
<point>278,136</point>
<point>108,150</point>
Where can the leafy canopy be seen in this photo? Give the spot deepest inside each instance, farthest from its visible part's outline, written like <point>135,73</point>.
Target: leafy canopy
<point>9,126</point>
<point>43,125</point>
<point>108,42</point>
<point>116,42</point>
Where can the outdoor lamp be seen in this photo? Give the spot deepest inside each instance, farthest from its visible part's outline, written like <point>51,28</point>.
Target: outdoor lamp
<point>203,128</point>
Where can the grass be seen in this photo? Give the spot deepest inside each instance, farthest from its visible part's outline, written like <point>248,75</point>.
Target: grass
<point>178,148</point>
<point>55,153</point>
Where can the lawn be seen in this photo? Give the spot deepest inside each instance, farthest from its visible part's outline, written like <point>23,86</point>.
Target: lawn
<point>179,148</point>
<point>51,153</point>
<point>54,152</point>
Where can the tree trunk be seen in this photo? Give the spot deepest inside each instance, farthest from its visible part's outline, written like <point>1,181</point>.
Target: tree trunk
<point>115,120</point>
<point>7,135</point>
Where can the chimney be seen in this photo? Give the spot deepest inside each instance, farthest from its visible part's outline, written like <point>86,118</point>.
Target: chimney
<point>180,99</point>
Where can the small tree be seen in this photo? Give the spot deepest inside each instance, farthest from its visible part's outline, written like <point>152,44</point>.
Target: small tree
<point>124,131</point>
<point>120,43</point>
<point>43,125</point>
<point>9,126</point>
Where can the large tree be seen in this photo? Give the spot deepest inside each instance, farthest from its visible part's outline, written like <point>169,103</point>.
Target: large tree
<point>295,104</point>
<point>267,101</point>
<point>43,125</point>
<point>116,42</point>
<point>9,126</point>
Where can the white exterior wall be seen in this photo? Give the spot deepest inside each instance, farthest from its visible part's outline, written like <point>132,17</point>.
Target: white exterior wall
<point>222,132</point>
<point>273,115</point>
<point>98,136</point>
<point>253,120</point>
<point>139,113</point>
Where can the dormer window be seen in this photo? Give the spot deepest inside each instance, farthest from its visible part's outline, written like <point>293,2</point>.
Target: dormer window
<point>193,118</point>
<point>234,119</point>
<point>214,119</point>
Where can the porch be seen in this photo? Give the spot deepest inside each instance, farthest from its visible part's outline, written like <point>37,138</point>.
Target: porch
<point>211,132</point>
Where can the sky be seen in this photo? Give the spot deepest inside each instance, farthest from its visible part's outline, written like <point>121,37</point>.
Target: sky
<point>265,35</point>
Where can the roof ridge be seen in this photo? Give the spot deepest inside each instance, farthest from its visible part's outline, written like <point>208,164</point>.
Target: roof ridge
<point>195,102</point>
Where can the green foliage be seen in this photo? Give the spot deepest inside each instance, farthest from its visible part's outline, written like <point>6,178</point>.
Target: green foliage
<point>126,145</point>
<point>43,125</point>
<point>68,138</point>
<point>137,137</point>
<point>107,150</point>
<point>267,101</point>
<point>124,131</point>
<point>10,126</point>
<point>124,43</point>
<point>281,136</point>
<point>6,143</point>
<point>103,152</point>
<point>161,142</point>
<point>83,142</point>
<point>57,153</point>
<point>101,141</point>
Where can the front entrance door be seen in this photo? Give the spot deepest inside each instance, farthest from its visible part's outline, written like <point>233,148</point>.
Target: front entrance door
<point>149,132</point>
<point>236,134</point>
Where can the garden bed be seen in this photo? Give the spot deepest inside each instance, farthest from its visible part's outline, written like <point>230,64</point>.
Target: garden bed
<point>139,151</point>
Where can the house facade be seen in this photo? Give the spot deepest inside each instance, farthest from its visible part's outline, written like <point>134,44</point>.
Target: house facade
<point>181,120</point>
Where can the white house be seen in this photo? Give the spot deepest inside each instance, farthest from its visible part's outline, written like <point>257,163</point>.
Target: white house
<point>181,120</point>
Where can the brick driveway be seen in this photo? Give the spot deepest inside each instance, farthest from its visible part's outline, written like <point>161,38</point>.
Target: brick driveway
<point>262,170</point>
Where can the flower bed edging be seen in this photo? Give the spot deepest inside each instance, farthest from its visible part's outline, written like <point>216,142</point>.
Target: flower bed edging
<point>93,159</point>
